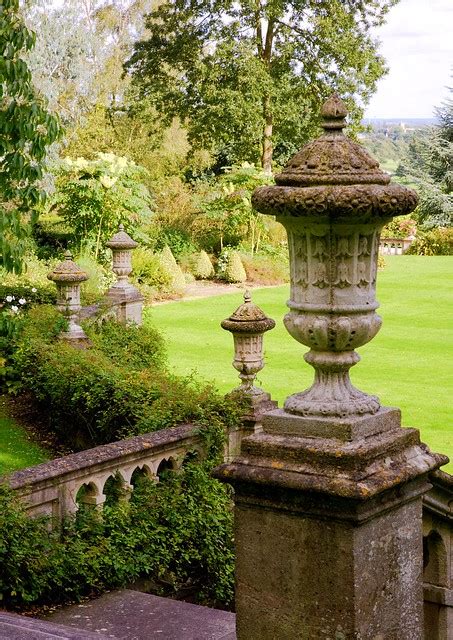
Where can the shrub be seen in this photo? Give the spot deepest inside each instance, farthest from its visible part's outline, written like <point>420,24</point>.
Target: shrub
<point>203,268</point>
<point>437,242</point>
<point>179,530</point>
<point>234,271</point>
<point>266,269</point>
<point>116,389</point>
<point>149,270</point>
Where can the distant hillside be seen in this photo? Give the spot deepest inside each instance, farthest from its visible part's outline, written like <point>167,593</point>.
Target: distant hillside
<point>410,123</point>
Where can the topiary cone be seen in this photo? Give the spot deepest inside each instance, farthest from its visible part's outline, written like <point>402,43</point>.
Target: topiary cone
<point>235,271</point>
<point>203,267</point>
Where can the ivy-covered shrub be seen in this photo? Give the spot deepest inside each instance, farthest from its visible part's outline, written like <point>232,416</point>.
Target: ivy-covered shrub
<point>177,532</point>
<point>436,242</point>
<point>116,389</point>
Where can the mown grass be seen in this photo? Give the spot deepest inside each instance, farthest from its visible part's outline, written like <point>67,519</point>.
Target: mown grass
<point>16,450</point>
<point>409,364</point>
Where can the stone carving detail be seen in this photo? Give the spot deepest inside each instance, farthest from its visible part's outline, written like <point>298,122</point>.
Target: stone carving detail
<point>333,199</point>
<point>320,278</point>
<point>343,275</point>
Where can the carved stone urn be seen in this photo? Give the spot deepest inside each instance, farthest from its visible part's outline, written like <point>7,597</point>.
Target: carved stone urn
<point>68,277</point>
<point>248,324</point>
<point>333,200</point>
<point>122,246</point>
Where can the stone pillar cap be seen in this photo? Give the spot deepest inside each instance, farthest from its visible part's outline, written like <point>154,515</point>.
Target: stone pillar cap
<point>334,174</point>
<point>248,318</point>
<point>67,271</point>
<point>121,240</point>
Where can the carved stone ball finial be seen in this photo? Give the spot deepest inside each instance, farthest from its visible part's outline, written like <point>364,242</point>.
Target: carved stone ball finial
<point>333,200</point>
<point>248,324</point>
<point>334,112</point>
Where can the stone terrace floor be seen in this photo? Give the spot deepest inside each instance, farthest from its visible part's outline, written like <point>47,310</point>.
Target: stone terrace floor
<point>131,615</point>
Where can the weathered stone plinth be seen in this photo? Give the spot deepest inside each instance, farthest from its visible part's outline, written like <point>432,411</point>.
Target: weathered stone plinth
<point>126,298</point>
<point>328,530</point>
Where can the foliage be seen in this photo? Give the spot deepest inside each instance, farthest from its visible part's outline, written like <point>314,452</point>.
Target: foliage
<point>430,165</point>
<point>226,213</point>
<point>107,392</point>
<point>99,280</point>
<point>135,347</point>
<point>94,196</point>
<point>51,236</point>
<point>400,227</point>
<point>435,242</point>
<point>234,270</point>
<point>203,269</point>
<point>242,77</point>
<point>26,130</point>
<point>148,269</point>
<point>265,269</point>
<point>178,531</point>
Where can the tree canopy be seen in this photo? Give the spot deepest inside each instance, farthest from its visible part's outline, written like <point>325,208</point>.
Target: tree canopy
<point>246,77</point>
<point>430,165</point>
<point>26,128</point>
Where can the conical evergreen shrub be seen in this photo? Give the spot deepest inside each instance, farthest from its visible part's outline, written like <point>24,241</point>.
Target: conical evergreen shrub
<point>168,262</point>
<point>203,269</point>
<point>235,271</point>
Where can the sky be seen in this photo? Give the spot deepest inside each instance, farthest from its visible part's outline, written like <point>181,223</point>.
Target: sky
<point>417,42</point>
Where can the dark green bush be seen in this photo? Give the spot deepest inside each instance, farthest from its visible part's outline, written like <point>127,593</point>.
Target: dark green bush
<point>177,532</point>
<point>111,391</point>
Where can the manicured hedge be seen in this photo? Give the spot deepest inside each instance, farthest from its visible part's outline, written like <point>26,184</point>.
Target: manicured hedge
<point>118,388</point>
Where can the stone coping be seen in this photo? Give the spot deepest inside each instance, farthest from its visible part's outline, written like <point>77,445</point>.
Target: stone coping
<point>104,453</point>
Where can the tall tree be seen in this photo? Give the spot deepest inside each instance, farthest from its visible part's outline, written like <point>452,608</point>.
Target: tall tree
<point>430,165</point>
<point>26,129</point>
<point>245,76</point>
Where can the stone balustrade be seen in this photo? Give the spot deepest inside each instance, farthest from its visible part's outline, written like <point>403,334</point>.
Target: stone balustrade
<point>394,246</point>
<point>438,557</point>
<point>58,487</point>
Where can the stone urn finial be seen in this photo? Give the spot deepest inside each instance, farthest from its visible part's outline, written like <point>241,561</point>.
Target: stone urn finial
<point>333,200</point>
<point>122,246</point>
<point>68,277</point>
<point>248,324</point>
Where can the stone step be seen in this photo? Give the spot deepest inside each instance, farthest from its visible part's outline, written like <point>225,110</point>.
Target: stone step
<point>132,615</point>
<point>16,627</point>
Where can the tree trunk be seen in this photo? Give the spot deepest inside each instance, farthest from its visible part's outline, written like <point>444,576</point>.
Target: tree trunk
<point>266,156</point>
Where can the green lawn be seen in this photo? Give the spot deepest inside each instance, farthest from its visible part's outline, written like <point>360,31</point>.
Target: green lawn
<point>409,364</point>
<point>16,450</point>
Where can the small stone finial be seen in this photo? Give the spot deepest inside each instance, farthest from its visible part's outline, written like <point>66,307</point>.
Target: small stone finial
<point>334,112</point>
<point>121,227</point>
<point>248,324</point>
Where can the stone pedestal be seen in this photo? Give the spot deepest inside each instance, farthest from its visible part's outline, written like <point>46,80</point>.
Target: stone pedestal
<point>328,531</point>
<point>328,496</point>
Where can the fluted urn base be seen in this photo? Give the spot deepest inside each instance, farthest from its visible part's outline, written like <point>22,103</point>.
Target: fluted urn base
<point>332,393</point>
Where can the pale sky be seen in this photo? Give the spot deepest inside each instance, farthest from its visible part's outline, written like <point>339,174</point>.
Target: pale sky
<point>417,43</point>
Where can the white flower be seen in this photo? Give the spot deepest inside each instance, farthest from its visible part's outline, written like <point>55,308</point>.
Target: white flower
<point>107,181</point>
<point>22,301</point>
<point>34,289</point>
<point>9,298</point>
<point>14,308</point>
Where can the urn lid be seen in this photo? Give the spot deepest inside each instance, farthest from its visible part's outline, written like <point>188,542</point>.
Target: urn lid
<point>67,271</point>
<point>121,240</point>
<point>248,318</point>
<point>332,159</point>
